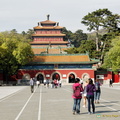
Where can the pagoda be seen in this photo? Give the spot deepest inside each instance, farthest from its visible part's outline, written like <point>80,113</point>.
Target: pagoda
<point>51,61</point>
<point>47,36</point>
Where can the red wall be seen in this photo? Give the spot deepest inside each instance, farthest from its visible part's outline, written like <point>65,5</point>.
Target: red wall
<point>116,78</point>
<point>77,73</point>
<point>48,39</point>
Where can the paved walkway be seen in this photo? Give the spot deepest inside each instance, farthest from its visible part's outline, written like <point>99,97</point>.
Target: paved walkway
<point>54,104</point>
<point>9,90</point>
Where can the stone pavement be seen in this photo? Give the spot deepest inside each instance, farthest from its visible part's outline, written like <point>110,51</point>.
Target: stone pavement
<point>9,90</point>
<point>115,86</point>
<point>54,104</point>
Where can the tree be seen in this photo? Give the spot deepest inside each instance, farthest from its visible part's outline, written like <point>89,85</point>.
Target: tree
<point>69,34</point>
<point>14,52</point>
<point>78,36</point>
<point>29,34</point>
<point>112,58</point>
<point>73,50</point>
<point>112,23</point>
<point>89,46</point>
<point>96,20</point>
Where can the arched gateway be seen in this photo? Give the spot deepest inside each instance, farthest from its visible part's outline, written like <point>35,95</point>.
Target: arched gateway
<point>71,78</point>
<point>56,76</point>
<point>40,78</point>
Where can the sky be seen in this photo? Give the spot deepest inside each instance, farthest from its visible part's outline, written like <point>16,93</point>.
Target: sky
<point>25,14</point>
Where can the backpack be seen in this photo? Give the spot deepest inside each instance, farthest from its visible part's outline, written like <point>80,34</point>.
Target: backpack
<point>77,91</point>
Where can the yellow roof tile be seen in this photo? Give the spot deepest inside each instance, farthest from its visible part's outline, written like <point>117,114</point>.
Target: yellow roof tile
<point>48,27</point>
<point>62,58</point>
<point>48,22</point>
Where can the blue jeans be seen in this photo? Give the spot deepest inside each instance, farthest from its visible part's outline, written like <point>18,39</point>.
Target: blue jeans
<point>76,105</point>
<point>97,95</point>
<point>90,99</point>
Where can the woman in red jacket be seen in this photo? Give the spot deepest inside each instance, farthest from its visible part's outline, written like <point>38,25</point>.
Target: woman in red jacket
<point>77,95</point>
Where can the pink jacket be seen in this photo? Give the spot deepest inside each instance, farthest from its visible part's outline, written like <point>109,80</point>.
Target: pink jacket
<point>81,90</point>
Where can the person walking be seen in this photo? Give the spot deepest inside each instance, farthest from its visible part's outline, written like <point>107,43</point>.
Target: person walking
<point>98,91</point>
<point>77,96</point>
<point>32,85</point>
<point>38,83</point>
<point>59,83</point>
<point>90,95</point>
<point>44,82</point>
<point>55,83</point>
<point>85,94</point>
<point>110,83</point>
<point>47,83</point>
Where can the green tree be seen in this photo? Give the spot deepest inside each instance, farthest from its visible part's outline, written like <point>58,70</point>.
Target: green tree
<point>72,50</point>
<point>14,52</point>
<point>96,20</point>
<point>112,58</point>
<point>112,23</point>
<point>69,34</point>
<point>89,46</point>
<point>78,36</point>
<point>29,34</point>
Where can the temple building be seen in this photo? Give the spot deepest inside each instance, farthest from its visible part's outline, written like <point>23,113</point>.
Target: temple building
<point>48,38</point>
<point>51,61</point>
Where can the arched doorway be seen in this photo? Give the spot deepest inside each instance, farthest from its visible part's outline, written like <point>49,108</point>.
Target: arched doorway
<point>40,78</point>
<point>56,76</point>
<point>71,78</point>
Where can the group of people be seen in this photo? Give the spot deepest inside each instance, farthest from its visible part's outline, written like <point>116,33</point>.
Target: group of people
<point>54,83</point>
<point>90,92</point>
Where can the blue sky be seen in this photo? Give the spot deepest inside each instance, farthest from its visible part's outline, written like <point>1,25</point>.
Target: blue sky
<point>25,14</point>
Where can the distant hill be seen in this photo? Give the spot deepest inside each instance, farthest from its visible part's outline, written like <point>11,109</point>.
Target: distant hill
<point>92,35</point>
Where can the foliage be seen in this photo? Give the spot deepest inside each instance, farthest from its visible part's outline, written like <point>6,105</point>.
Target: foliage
<point>14,52</point>
<point>28,34</point>
<point>74,38</point>
<point>112,58</point>
<point>102,18</point>
<point>87,46</point>
<point>78,37</point>
<point>73,50</point>
<point>69,34</point>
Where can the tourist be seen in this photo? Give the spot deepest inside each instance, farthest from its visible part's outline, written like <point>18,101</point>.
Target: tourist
<point>38,83</point>
<point>47,83</point>
<point>32,85</point>
<point>77,96</point>
<point>90,95</point>
<point>44,82</point>
<point>98,91</point>
<point>110,83</point>
<point>85,94</point>
<point>55,82</point>
<point>59,83</point>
